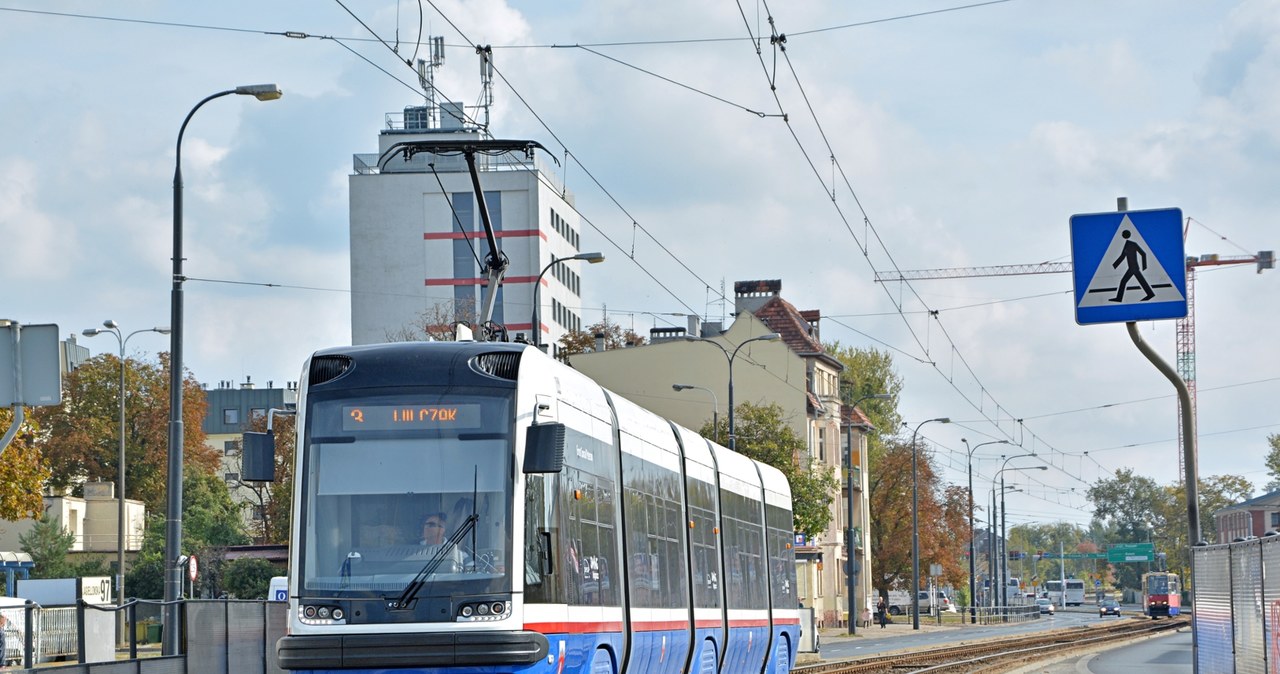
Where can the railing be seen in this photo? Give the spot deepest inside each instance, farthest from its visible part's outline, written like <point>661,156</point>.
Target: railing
<point>219,637</point>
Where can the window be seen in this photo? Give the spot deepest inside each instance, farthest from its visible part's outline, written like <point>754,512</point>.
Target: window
<point>231,477</point>
<point>257,413</point>
<point>230,416</point>
<point>257,513</point>
<point>1275,520</point>
<point>231,447</point>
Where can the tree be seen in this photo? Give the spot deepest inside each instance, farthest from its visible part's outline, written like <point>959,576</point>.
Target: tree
<point>249,578</point>
<point>210,523</point>
<point>273,500</point>
<point>22,472</point>
<point>763,435</point>
<point>48,545</point>
<point>1273,462</point>
<point>940,510</point>
<point>1129,506</point>
<point>1170,531</point>
<point>582,341</point>
<point>867,372</point>
<point>436,323</point>
<point>80,441</point>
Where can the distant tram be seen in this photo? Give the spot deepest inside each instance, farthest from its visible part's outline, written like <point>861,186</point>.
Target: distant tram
<point>481,508</point>
<point>1161,594</point>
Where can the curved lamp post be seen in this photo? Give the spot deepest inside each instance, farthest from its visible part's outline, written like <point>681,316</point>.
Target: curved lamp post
<point>849,574</point>
<point>915,526</point>
<point>973,583</point>
<point>771,337</point>
<point>993,554</point>
<point>173,516</point>
<point>715,405</point>
<point>1004,565</point>
<point>113,328</point>
<point>536,327</point>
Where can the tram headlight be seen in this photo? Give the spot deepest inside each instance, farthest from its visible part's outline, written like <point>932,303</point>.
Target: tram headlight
<point>483,609</point>
<point>338,614</point>
<point>309,612</point>
<point>467,611</point>
<point>323,612</point>
<point>499,608</point>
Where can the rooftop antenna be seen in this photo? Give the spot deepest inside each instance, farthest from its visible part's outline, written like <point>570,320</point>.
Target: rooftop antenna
<point>486,82</point>
<point>427,78</point>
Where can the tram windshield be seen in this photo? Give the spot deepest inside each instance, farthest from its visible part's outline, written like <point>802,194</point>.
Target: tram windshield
<point>390,484</point>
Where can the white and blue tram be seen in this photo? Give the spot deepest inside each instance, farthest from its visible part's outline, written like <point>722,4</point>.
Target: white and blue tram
<point>582,532</point>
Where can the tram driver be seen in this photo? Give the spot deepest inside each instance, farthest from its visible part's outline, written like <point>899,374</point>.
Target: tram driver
<point>434,536</point>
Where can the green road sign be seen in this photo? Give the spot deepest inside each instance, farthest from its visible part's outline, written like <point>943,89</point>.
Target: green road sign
<point>1131,552</point>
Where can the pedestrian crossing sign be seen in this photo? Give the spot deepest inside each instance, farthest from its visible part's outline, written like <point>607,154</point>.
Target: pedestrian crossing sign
<point>1128,266</point>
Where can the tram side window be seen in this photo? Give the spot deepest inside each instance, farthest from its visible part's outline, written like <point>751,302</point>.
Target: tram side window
<point>541,531</point>
<point>657,567</point>
<point>782,564</point>
<point>706,558</point>
<point>589,557</point>
<point>744,547</point>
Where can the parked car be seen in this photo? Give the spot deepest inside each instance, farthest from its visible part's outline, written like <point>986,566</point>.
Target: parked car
<point>1045,605</point>
<point>1108,607</point>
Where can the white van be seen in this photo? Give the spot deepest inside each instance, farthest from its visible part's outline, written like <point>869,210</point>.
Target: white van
<point>279,589</point>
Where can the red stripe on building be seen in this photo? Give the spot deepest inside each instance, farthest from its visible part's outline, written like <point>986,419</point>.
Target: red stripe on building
<point>509,233</point>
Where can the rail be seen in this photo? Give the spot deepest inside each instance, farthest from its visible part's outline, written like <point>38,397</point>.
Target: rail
<point>988,654</point>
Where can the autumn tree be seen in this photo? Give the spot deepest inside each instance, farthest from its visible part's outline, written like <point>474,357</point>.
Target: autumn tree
<point>81,440</point>
<point>762,434</point>
<point>940,508</point>
<point>582,341</point>
<point>22,471</point>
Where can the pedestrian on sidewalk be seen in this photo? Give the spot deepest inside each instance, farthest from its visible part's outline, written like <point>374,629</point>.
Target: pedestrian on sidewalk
<point>882,612</point>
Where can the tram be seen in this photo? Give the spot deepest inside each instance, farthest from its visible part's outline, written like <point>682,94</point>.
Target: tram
<point>1161,594</point>
<point>482,508</point>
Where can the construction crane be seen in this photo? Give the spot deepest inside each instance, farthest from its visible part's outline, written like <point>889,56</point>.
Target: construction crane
<point>1186,328</point>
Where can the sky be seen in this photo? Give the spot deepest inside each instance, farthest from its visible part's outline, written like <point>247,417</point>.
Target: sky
<point>866,137</point>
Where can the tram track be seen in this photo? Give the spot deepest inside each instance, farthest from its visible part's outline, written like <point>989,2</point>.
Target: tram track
<point>995,654</point>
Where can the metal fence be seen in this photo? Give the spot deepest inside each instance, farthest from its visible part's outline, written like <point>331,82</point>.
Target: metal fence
<point>1236,607</point>
<point>219,637</point>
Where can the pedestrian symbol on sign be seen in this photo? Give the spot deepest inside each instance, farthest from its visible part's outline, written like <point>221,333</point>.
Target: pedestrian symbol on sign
<point>1125,266</point>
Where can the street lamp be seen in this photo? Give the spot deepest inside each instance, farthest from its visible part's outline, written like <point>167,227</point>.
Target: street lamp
<point>993,554</point>
<point>1004,566</point>
<point>173,516</point>
<point>849,575</point>
<point>915,526</point>
<point>536,328</point>
<point>973,583</point>
<point>772,336</point>
<point>110,326</point>
<point>715,406</point>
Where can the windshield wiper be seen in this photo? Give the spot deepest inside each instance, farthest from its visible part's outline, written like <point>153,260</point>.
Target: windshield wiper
<point>411,590</point>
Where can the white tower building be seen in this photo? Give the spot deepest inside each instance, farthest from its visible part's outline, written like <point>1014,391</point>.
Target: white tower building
<point>417,241</point>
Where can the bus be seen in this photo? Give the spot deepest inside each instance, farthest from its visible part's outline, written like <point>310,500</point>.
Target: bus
<point>1161,594</point>
<point>1075,592</point>
<point>582,533</point>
